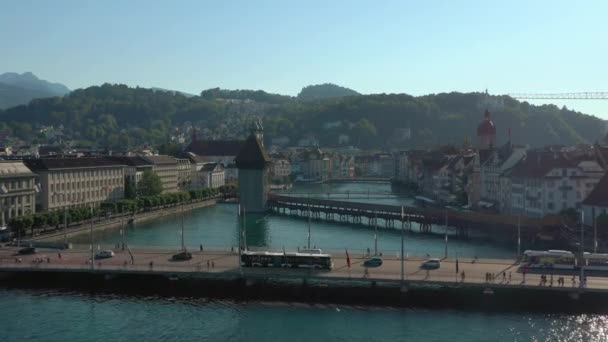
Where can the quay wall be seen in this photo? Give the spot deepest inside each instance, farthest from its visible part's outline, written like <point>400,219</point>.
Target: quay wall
<point>114,223</point>
<point>486,297</point>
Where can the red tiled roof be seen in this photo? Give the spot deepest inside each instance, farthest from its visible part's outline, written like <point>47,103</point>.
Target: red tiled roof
<point>599,194</point>
<point>537,164</point>
<point>216,147</point>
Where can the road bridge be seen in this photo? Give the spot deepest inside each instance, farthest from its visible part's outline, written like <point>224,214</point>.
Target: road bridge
<point>347,271</point>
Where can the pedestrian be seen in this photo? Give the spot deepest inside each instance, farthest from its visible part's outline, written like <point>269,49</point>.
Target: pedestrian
<point>504,276</point>
<point>59,255</point>
<point>201,247</point>
<point>231,249</point>
<point>151,264</point>
<point>509,276</point>
<point>462,276</point>
<point>551,280</point>
<point>212,264</point>
<point>207,263</point>
<point>573,281</point>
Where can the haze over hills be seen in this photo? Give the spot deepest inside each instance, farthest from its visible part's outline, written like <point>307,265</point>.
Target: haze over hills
<point>118,115</point>
<point>16,89</point>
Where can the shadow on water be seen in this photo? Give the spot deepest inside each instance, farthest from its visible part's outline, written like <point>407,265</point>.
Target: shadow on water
<point>257,229</point>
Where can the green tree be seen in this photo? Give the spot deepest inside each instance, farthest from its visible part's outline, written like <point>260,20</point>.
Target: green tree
<point>129,189</point>
<point>149,184</point>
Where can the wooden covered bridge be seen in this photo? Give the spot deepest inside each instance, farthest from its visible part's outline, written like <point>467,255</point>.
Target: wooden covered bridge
<point>391,215</point>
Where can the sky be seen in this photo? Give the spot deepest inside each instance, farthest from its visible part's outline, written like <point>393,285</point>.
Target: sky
<point>415,47</point>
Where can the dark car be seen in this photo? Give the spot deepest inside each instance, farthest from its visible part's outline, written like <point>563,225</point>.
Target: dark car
<point>27,250</point>
<point>373,262</point>
<point>431,264</point>
<point>182,256</point>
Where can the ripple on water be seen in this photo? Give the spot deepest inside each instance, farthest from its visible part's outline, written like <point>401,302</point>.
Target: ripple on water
<point>35,315</point>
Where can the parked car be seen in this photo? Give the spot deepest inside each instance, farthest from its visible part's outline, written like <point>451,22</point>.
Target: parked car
<point>182,256</point>
<point>27,250</point>
<point>104,254</point>
<point>431,264</point>
<point>373,262</point>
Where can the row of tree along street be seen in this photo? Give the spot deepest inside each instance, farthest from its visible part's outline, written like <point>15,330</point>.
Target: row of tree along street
<point>51,220</point>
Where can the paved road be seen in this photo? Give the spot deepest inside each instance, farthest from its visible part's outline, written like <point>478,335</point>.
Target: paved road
<point>221,261</point>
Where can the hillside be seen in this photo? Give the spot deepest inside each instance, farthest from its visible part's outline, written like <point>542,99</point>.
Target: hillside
<point>324,91</point>
<point>118,115</point>
<point>16,89</point>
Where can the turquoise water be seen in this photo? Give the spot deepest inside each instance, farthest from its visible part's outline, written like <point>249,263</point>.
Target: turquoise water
<point>218,227</point>
<point>55,316</point>
<point>38,315</point>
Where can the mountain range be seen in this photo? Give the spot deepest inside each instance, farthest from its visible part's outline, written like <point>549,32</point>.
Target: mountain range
<point>17,89</point>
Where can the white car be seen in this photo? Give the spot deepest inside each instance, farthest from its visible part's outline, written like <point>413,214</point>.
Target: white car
<point>104,254</point>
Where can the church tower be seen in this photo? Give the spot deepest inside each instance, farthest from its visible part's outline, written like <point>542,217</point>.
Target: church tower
<point>486,133</point>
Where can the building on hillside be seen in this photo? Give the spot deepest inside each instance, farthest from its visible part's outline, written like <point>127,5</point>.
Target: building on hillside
<point>546,183</point>
<point>596,203</point>
<point>486,132</point>
<point>17,191</point>
<point>253,165</point>
<point>166,168</point>
<point>135,167</point>
<point>77,182</point>
<point>211,175</point>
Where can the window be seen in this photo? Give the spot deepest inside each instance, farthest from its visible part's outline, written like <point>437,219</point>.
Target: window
<point>564,173</point>
<point>550,205</point>
<point>578,195</point>
<point>550,195</point>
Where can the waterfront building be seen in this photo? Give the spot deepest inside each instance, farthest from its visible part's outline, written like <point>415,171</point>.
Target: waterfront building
<point>166,168</point>
<point>316,166</point>
<point>253,165</point>
<point>546,182</point>
<point>77,182</point>
<point>211,175</point>
<point>184,173</point>
<point>281,167</point>
<point>493,163</point>
<point>596,203</point>
<point>135,166</point>
<point>17,191</point>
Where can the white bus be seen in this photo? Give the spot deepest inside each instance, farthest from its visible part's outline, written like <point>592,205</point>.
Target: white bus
<point>550,259</point>
<point>286,260</point>
<point>596,261</point>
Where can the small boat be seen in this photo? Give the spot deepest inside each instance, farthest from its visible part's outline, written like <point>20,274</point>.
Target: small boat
<point>488,291</point>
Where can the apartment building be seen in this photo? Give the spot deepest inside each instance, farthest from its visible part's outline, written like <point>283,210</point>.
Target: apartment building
<point>166,168</point>
<point>17,191</point>
<point>77,182</point>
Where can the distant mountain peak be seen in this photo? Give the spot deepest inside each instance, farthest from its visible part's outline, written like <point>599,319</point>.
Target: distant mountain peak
<point>21,88</point>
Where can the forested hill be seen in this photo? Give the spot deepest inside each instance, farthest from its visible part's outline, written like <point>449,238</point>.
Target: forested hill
<point>324,91</point>
<point>117,115</point>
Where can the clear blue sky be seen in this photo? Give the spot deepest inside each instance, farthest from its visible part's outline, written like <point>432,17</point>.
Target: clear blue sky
<point>416,47</point>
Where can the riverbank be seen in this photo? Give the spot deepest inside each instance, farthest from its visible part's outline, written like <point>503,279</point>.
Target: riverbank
<point>117,222</point>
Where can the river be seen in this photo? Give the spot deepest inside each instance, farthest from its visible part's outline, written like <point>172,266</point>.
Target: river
<point>50,315</point>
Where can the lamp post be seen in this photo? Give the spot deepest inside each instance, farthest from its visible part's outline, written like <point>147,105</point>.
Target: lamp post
<point>91,236</point>
<point>582,249</point>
